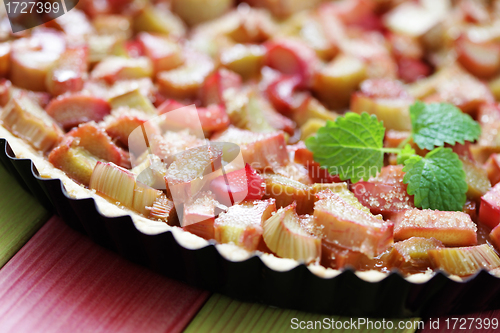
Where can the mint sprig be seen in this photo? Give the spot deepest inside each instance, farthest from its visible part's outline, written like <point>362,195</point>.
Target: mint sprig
<point>352,147</point>
<point>405,154</point>
<point>435,124</point>
<point>437,180</point>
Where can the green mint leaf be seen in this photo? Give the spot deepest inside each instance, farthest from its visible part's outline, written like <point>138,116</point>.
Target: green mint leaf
<point>405,154</point>
<point>351,147</point>
<point>439,123</point>
<point>437,181</point>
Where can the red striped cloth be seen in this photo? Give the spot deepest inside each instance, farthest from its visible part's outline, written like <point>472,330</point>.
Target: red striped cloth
<point>60,281</point>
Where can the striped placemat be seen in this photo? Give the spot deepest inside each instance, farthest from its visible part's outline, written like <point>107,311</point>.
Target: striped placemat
<point>223,314</point>
<point>61,281</point>
<point>20,216</point>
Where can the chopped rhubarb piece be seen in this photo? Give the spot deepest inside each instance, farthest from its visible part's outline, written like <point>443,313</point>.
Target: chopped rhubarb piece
<point>196,11</point>
<point>415,18</point>
<point>292,57</point>
<point>489,211</point>
<point>75,109</point>
<point>95,8</point>
<point>144,198</point>
<point>286,191</point>
<point>246,60</point>
<point>192,170</point>
<point>382,88</point>
<point>488,143</point>
<point>164,53</point>
<point>259,150</point>
<point>113,24</point>
<point>283,95</point>
<point>462,150</point>
<point>343,192</point>
<point>132,49</point>
<point>285,236</point>
<point>314,35</point>
<point>158,19</point>
<point>69,72</point>
<point>476,178</point>
<point>464,261</point>
<point>284,8</point>
<point>411,255</point>
<point>41,98</point>
<point>184,81</point>
<point>242,223</point>
<point>4,58</point>
<point>112,69</point>
<point>102,46</point>
<point>311,127</point>
<point>169,105</point>
<point>335,82</point>
<point>26,119</point>
<point>493,168</point>
<point>5,91</point>
<point>252,26</point>
<point>480,59</point>
<point>171,143</point>
<point>258,115</point>
<point>121,122</point>
<point>455,86</point>
<point>75,24</point>
<point>144,86</point>
<point>32,57</point>
<point>387,100</point>
<point>199,215</point>
<point>470,208</point>
<point>312,108</point>
<point>404,46</point>
<point>411,70</point>
<point>393,138</point>
<point>338,257</point>
<point>370,48</point>
<point>474,12</point>
<point>488,113</point>
<point>151,172</point>
<point>163,209</point>
<point>350,11</point>
<point>451,228</point>
<point>218,85</point>
<point>495,236</point>
<point>317,174</point>
<point>133,99</point>
<point>239,185</point>
<point>114,182</point>
<point>352,228</point>
<point>213,118</point>
<point>385,194</point>
<point>75,161</point>
<point>294,171</point>
<point>95,140</point>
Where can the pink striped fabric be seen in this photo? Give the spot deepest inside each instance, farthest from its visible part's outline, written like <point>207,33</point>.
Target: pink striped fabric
<point>60,281</point>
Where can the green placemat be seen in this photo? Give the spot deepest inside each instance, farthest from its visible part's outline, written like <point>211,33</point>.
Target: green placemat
<point>20,216</point>
<point>223,314</point>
